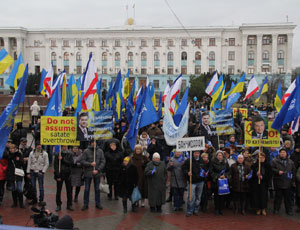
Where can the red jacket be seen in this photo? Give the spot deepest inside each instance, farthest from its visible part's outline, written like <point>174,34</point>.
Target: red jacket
<point>3,167</point>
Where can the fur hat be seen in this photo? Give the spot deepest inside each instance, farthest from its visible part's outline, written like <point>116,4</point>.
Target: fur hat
<point>156,155</point>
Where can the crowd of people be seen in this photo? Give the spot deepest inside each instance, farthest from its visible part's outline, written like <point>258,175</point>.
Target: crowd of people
<point>254,175</point>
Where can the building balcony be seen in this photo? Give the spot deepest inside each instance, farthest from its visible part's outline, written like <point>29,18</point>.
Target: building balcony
<point>170,63</point>
<point>117,63</point>
<point>79,63</point>
<point>156,63</point>
<point>251,62</point>
<point>266,61</point>
<point>104,63</point>
<point>211,62</point>
<point>280,61</point>
<point>54,62</point>
<point>66,63</point>
<point>143,63</point>
<point>183,63</point>
<point>130,63</point>
<point>197,62</point>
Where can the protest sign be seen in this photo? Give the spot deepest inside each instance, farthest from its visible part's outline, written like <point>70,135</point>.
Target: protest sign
<point>222,121</point>
<point>242,110</point>
<point>95,125</point>
<point>58,130</point>
<point>269,137</point>
<point>190,144</point>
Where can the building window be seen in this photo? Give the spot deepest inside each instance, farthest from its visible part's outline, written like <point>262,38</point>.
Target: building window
<point>1,42</point>
<point>231,41</point>
<point>130,56</point>
<point>212,42</point>
<point>211,69</point>
<point>66,56</point>
<point>104,43</point>
<point>266,40</point>
<point>78,70</point>
<point>36,56</point>
<point>250,70</point>
<point>65,43</point>
<point>1,82</point>
<point>78,56</point>
<point>104,56</point>
<point>156,56</point>
<point>183,86</point>
<point>183,70</point>
<point>265,55</point>
<point>231,55</point>
<point>117,70</point>
<point>104,70</point>
<point>53,56</point>
<point>36,43</point>
<point>53,43</point>
<point>280,55</point>
<point>251,55</point>
<point>130,43</point>
<point>197,56</point>
<point>211,56</point>
<point>281,39</point>
<point>183,56</point>
<point>156,71</point>
<point>91,43</point>
<point>198,42</point>
<point>281,69</point>
<point>265,69</point>
<point>183,42</point>
<point>156,42</point>
<point>14,42</point>
<point>170,56</point>
<point>144,71</point>
<point>78,43</point>
<point>170,70</point>
<point>251,40</point>
<point>143,56</point>
<point>156,84</point>
<point>170,42</point>
<point>117,43</point>
<point>143,43</point>
<point>197,69</point>
<point>117,56</point>
<point>231,69</point>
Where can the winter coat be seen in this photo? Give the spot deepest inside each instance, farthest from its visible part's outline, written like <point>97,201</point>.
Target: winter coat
<point>235,181</point>
<point>216,167</point>
<point>178,179</point>
<point>113,163</point>
<point>154,132</point>
<point>77,170</point>
<point>25,153</point>
<point>265,171</point>
<point>295,157</point>
<point>196,168</point>
<point>12,163</point>
<point>281,181</point>
<point>35,109</point>
<point>65,165</point>
<point>155,148</point>
<point>18,133</point>
<point>39,164</point>
<point>88,158</point>
<point>140,162</point>
<point>144,141</point>
<point>156,183</point>
<point>3,168</point>
<point>127,181</point>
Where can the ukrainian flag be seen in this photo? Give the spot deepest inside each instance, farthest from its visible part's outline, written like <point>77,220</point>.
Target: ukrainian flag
<point>16,73</point>
<point>119,104</point>
<point>5,60</point>
<point>264,88</point>
<point>64,92</point>
<point>217,91</point>
<point>239,87</point>
<point>126,86</point>
<point>278,98</point>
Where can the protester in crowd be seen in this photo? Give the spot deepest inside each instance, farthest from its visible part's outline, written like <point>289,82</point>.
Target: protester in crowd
<point>248,161</point>
<point>295,157</point>
<point>231,141</point>
<point>219,169</point>
<point>154,147</point>
<point>284,135</point>
<point>140,161</point>
<point>37,166</point>
<point>144,140</point>
<point>36,130</point>
<point>15,160</point>
<point>113,159</point>
<point>25,150</point>
<point>127,182</point>
<point>35,112</point>
<point>228,157</point>
<point>156,173</point>
<point>210,150</point>
<point>283,171</point>
<point>239,173</point>
<point>154,131</point>
<point>5,155</point>
<point>206,192</point>
<point>273,153</point>
<point>62,173</point>
<point>76,172</point>
<point>288,147</point>
<point>178,180</point>
<point>94,165</point>
<point>261,176</point>
<point>18,133</point>
<point>3,168</point>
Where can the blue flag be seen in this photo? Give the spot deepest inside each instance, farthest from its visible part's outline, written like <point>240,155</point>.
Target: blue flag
<point>54,107</point>
<point>289,175</point>
<point>148,113</point>
<point>181,109</point>
<point>250,174</point>
<point>153,170</point>
<point>130,104</point>
<point>231,100</point>
<point>43,75</point>
<point>290,110</point>
<point>8,115</point>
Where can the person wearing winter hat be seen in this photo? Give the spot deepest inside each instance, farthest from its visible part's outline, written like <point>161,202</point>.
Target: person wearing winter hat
<point>66,222</point>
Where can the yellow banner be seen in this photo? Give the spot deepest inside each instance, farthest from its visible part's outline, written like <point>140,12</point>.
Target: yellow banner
<point>243,111</point>
<point>269,137</point>
<point>58,131</point>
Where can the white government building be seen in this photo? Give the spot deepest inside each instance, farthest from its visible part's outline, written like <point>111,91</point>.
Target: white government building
<point>161,53</point>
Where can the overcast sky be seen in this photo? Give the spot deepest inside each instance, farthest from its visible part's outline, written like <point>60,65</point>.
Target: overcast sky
<point>104,13</point>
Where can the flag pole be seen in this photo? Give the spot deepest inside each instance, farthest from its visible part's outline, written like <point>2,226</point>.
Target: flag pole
<point>59,161</point>
<point>259,163</point>
<point>190,194</point>
<point>95,154</point>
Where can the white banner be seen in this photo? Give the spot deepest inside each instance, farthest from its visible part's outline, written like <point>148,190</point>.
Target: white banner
<point>190,144</point>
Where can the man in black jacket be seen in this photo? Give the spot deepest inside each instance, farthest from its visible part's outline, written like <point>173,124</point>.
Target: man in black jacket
<point>62,173</point>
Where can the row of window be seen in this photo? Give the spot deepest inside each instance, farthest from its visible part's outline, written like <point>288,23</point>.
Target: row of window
<point>266,55</point>
<point>266,69</point>
<point>266,39</point>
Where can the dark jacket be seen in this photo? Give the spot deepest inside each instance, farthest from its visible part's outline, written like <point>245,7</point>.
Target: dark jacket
<point>178,179</point>
<point>216,167</point>
<point>295,157</point>
<point>65,165</point>
<point>196,167</point>
<point>265,171</point>
<point>12,164</point>
<point>236,183</point>
<point>88,158</point>
<point>282,181</point>
<point>18,133</point>
<point>128,180</point>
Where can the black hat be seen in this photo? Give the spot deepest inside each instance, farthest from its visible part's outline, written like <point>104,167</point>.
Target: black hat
<point>9,140</point>
<point>65,222</point>
<point>23,139</point>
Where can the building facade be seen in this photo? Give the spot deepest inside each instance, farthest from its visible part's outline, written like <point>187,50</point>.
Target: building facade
<point>158,52</point>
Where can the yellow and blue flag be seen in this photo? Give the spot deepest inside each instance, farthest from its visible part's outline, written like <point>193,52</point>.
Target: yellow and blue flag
<point>43,75</point>
<point>278,98</point>
<point>5,60</point>
<point>181,108</point>
<point>54,107</point>
<point>16,73</point>
<point>125,90</point>
<point>8,115</point>
<point>217,92</point>
<point>263,89</point>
